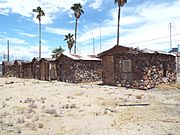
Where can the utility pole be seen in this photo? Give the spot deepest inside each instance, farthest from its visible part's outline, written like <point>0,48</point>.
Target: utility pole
<point>100,36</point>
<point>8,50</point>
<point>93,45</point>
<point>170,41</point>
<point>170,26</point>
<point>39,39</point>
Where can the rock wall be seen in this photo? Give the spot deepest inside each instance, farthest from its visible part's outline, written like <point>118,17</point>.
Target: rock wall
<point>48,70</point>
<point>65,69</point>
<point>77,71</point>
<point>27,70</point>
<point>36,70</point>
<point>147,70</point>
<point>17,70</point>
<point>7,70</point>
<point>88,71</point>
<point>178,62</point>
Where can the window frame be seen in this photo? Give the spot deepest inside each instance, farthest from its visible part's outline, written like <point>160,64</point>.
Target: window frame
<point>124,66</point>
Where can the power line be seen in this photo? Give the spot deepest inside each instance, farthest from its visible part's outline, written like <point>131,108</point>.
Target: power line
<point>163,42</point>
<point>170,42</point>
<point>152,39</point>
<point>144,44</point>
<point>145,41</point>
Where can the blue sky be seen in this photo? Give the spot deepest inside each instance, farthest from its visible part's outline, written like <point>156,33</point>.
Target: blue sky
<point>141,21</point>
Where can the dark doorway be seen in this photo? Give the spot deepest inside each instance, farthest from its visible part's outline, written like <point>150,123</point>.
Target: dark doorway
<point>108,73</point>
<point>164,68</point>
<point>61,72</point>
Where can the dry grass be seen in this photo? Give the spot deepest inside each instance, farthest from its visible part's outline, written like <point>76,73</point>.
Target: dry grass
<point>173,86</point>
<point>140,96</point>
<point>107,102</point>
<point>78,94</point>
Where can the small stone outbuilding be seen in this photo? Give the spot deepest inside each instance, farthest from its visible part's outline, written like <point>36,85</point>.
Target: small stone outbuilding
<point>17,68</point>
<point>27,70</point>
<point>7,69</point>
<point>78,68</point>
<point>36,69</point>
<point>176,52</point>
<point>178,62</point>
<point>48,69</point>
<point>135,68</point>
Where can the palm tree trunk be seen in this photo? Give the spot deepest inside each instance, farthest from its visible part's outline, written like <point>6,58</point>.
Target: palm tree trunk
<point>75,36</point>
<point>39,39</point>
<point>119,12</point>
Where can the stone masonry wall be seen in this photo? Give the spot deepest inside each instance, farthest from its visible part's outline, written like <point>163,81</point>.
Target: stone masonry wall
<point>65,70</point>
<point>7,70</point>
<point>76,71</point>
<point>147,70</point>
<point>88,71</point>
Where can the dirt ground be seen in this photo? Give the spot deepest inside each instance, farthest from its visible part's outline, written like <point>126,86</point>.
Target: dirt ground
<point>33,107</point>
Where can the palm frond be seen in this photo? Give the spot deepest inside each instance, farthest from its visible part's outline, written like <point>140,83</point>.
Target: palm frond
<point>66,37</point>
<point>77,8</point>
<point>120,2</point>
<point>39,11</point>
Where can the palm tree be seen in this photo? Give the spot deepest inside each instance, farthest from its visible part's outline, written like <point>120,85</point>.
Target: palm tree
<point>120,4</point>
<point>39,15</point>
<point>70,41</point>
<point>57,51</point>
<point>77,8</point>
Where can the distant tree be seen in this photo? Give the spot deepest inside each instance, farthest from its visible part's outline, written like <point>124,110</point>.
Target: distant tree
<point>57,51</point>
<point>39,15</point>
<point>70,41</point>
<point>120,4</point>
<point>77,8</point>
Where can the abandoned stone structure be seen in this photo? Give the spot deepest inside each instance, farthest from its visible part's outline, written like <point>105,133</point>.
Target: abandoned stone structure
<point>7,69</point>
<point>36,69</point>
<point>42,69</point>
<point>27,70</point>
<point>135,68</point>
<point>77,68</point>
<point>176,52</point>
<point>178,62</point>
<point>17,68</point>
<point>48,69</point>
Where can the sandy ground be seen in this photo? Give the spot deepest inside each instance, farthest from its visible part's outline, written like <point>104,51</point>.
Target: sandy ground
<point>32,107</point>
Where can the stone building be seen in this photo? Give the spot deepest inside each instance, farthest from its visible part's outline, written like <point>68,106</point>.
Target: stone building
<point>177,53</point>
<point>48,69</point>
<point>7,69</point>
<point>178,62</point>
<point>135,68</point>
<point>77,68</point>
<point>27,70</point>
<point>17,68</point>
<point>36,69</point>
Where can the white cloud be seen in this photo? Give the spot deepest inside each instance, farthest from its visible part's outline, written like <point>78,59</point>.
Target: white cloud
<point>28,35</point>
<point>146,22</point>
<point>59,31</point>
<point>96,4</point>
<point>17,41</point>
<point>25,7</point>
<point>25,52</point>
<point>13,40</point>
<point>4,11</point>
<point>105,31</point>
<point>143,22</point>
